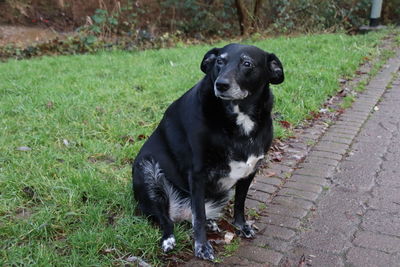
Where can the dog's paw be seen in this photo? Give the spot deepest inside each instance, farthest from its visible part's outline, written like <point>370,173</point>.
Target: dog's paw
<point>168,243</point>
<point>246,230</point>
<point>212,226</point>
<point>204,251</point>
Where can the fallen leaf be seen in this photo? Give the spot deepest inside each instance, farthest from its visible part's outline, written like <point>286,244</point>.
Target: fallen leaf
<point>215,238</point>
<point>224,225</point>
<point>359,72</point>
<point>342,93</point>
<point>285,124</point>
<point>141,137</point>
<point>128,139</point>
<point>277,156</point>
<point>270,174</point>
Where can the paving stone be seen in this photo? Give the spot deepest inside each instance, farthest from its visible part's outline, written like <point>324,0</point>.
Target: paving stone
<point>342,130</point>
<point>331,147</point>
<point>339,211</point>
<point>354,116</point>
<point>350,119</point>
<point>269,243</point>
<point>269,180</point>
<point>263,187</point>
<point>291,192</point>
<point>252,204</point>
<point>196,262</point>
<point>357,179</point>
<point>259,196</point>
<point>287,210</point>
<point>235,261</point>
<point>340,135</point>
<point>385,199</point>
<point>335,139</point>
<point>276,231</point>
<point>328,242</point>
<point>381,222</point>
<point>282,221</point>
<point>366,257</point>
<point>360,105</point>
<point>388,178</point>
<point>289,201</point>
<point>303,186</point>
<point>324,154</point>
<point>322,161</point>
<point>385,243</point>
<point>347,125</point>
<point>313,257</point>
<point>313,169</point>
<point>309,179</point>
<point>260,255</point>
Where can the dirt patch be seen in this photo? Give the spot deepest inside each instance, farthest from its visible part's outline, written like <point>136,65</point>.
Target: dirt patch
<point>24,36</point>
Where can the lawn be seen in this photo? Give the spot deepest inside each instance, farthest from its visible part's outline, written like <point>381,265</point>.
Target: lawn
<point>70,126</point>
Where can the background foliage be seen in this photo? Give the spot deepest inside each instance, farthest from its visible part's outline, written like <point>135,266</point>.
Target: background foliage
<point>196,18</point>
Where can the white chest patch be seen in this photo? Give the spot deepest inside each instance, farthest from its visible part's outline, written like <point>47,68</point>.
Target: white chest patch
<point>243,120</point>
<point>239,170</point>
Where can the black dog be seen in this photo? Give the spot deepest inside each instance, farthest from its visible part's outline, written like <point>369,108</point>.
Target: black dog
<point>209,140</point>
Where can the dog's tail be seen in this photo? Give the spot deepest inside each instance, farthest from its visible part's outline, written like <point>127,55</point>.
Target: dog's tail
<point>154,179</point>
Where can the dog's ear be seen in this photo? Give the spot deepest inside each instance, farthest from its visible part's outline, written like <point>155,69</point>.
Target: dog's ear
<point>275,69</point>
<point>209,59</point>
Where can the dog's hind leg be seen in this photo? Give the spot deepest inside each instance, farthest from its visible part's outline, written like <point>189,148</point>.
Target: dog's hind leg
<point>239,220</point>
<point>150,192</point>
<point>168,241</point>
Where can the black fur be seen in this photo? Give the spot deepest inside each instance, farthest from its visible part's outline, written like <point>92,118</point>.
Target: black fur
<point>217,129</point>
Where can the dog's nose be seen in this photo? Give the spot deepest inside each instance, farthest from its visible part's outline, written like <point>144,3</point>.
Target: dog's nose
<point>222,85</point>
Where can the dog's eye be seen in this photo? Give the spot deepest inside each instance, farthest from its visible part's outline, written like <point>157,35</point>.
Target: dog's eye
<point>247,64</point>
<point>220,61</point>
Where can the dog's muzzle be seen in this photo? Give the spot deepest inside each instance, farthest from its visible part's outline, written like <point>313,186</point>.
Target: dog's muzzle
<point>228,90</point>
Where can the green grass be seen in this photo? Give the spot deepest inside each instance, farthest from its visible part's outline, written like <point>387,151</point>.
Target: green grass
<point>68,200</point>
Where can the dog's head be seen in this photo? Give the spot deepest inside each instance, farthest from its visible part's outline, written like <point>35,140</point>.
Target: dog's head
<point>238,71</point>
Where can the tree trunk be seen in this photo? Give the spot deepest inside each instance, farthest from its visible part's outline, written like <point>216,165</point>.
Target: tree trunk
<point>256,14</point>
<point>243,16</point>
<point>248,18</point>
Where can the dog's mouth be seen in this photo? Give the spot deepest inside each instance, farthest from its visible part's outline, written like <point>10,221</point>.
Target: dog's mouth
<point>236,95</point>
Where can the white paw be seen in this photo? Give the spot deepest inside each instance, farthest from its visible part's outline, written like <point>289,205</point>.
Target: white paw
<point>212,226</point>
<point>204,251</point>
<point>168,244</point>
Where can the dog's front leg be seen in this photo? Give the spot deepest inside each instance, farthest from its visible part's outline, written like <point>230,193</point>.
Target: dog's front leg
<point>239,220</point>
<point>202,247</point>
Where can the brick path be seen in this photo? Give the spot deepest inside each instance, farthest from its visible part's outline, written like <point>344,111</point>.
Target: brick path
<point>341,205</point>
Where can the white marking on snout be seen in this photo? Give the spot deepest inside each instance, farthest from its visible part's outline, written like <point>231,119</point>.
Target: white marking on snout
<point>243,120</point>
<point>168,244</point>
<point>239,170</point>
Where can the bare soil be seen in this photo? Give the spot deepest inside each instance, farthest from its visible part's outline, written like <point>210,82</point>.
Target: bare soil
<point>24,36</point>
